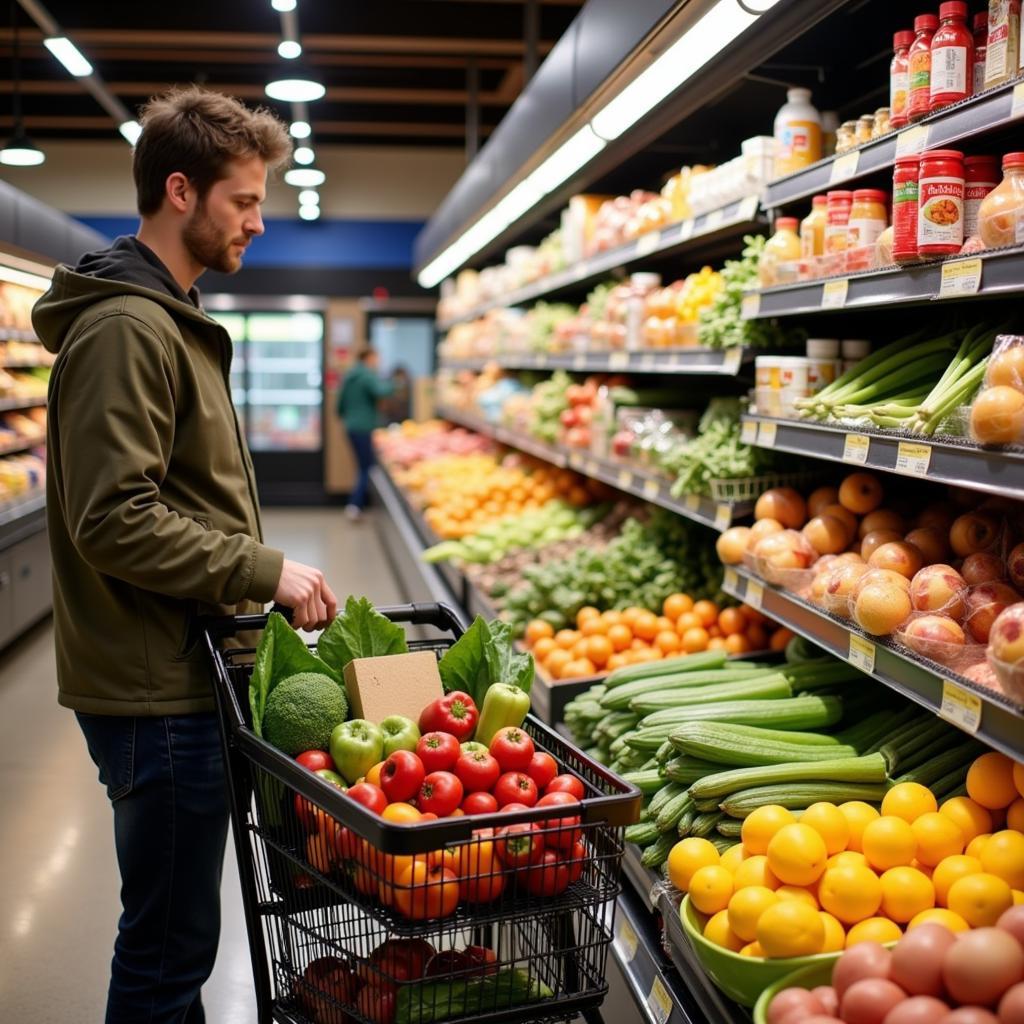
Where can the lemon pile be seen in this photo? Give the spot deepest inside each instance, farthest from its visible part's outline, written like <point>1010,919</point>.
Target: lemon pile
<point>838,875</point>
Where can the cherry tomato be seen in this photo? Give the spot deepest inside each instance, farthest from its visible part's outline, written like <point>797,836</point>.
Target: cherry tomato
<point>438,751</point>
<point>560,832</point>
<point>518,845</point>
<point>515,787</point>
<point>480,803</point>
<point>565,784</point>
<point>513,749</point>
<point>441,792</point>
<point>369,795</point>
<point>401,776</point>
<point>477,772</point>
<point>542,769</point>
<point>314,760</point>
<point>548,876</point>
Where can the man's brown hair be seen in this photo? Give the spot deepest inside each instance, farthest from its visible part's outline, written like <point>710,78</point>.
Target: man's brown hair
<point>197,132</point>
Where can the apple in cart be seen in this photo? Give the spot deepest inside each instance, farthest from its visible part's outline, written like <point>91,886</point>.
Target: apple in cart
<point>400,733</point>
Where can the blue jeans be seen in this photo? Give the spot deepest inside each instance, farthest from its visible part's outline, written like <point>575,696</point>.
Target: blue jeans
<point>165,779</point>
<point>362,445</point>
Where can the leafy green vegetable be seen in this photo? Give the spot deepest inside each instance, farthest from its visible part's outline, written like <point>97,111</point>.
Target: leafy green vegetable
<point>433,1001</point>
<point>483,655</point>
<point>359,632</point>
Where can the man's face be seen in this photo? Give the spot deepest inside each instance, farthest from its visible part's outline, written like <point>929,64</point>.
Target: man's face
<point>223,223</point>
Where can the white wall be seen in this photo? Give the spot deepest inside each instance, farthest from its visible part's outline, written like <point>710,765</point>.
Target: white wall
<point>364,182</point>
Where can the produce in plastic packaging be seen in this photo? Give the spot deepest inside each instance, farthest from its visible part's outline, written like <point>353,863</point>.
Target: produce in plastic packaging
<point>1006,649</point>
<point>997,414</point>
<point>984,603</point>
<point>939,589</point>
<point>937,637</point>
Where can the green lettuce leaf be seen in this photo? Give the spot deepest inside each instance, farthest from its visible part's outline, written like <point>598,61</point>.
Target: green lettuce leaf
<point>483,655</point>
<point>359,632</point>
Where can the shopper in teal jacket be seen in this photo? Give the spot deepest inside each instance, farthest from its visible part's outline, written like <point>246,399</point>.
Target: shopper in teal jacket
<point>357,406</point>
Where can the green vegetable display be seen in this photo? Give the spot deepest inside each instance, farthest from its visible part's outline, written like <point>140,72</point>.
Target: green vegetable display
<point>547,404</point>
<point>440,1000</point>
<point>301,712</point>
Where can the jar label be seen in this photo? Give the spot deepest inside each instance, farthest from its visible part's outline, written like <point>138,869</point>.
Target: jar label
<point>799,145</point>
<point>899,93</point>
<point>979,74</point>
<point>865,231</point>
<point>941,212</point>
<point>949,71</point>
<point>974,193</point>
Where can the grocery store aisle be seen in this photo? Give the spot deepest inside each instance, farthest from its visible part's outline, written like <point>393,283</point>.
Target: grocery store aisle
<point>59,898</point>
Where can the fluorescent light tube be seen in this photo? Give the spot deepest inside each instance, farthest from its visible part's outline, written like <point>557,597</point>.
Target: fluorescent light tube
<point>69,55</point>
<point>566,160</point>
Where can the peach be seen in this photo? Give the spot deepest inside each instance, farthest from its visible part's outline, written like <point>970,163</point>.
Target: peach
<point>880,607</point>
<point>861,493</point>
<point>985,603</point>
<point>883,576</point>
<point>1006,638</point>
<point>938,517</point>
<point>843,514</point>
<point>930,542</point>
<point>982,567</point>
<point>824,564</point>
<point>826,534</point>
<point>820,499</point>
<point>881,519</point>
<point>934,636</point>
<point>973,531</point>
<point>899,556</point>
<point>938,588</point>
<point>761,529</point>
<point>784,504</point>
<point>874,540</point>
<point>840,583</point>
<point>850,558</point>
<point>732,544</point>
<point>1015,565</point>
<point>819,589</point>
<point>1007,368</point>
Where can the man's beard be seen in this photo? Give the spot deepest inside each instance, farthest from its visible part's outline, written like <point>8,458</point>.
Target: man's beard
<point>207,245</point>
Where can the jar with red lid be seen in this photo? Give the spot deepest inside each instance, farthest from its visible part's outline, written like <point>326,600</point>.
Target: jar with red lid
<point>981,175</point>
<point>980,49</point>
<point>940,224</point>
<point>838,225</point>
<point>869,216</point>
<point>899,79</point>
<point>904,208</point>
<point>919,58</point>
<point>952,75</point>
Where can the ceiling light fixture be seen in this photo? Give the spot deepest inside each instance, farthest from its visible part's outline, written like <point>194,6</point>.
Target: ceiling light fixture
<point>69,55</point>
<point>284,6</point>
<point>305,177</point>
<point>131,130</point>
<point>309,197</point>
<point>19,150</point>
<point>300,130</point>
<point>304,155</point>
<point>309,212</point>
<point>289,49</point>
<point>295,90</point>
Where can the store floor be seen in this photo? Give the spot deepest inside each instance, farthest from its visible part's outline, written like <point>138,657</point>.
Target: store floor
<point>59,896</point>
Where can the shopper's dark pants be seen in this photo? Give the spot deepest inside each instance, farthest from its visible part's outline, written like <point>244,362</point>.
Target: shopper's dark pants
<point>362,445</point>
<point>165,779</point>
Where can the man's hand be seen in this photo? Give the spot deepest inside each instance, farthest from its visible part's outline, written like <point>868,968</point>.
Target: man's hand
<point>304,590</point>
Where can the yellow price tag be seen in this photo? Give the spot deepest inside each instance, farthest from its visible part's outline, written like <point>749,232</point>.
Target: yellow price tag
<point>913,140</point>
<point>748,208</point>
<point>648,362</point>
<point>748,432</point>
<point>579,361</point>
<point>618,360</point>
<point>542,360</point>
<point>733,360</point>
<point>1017,105</point>
<point>767,433</point>
<point>755,594</point>
<point>625,480</point>
<point>576,461</point>
<point>714,220</point>
<point>913,459</point>
<point>723,517</point>
<point>862,653</point>
<point>692,503</point>
<point>750,306</point>
<point>686,230</point>
<point>960,277</point>
<point>960,706</point>
<point>833,295</point>
<point>856,448</point>
<point>651,489</point>
<point>628,940</point>
<point>730,580</point>
<point>844,167</point>
<point>660,1002</point>
<point>591,468</point>
<point>648,243</point>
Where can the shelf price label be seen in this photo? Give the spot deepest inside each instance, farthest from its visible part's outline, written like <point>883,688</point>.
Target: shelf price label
<point>625,480</point>
<point>767,433</point>
<point>913,140</point>
<point>592,468</point>
<point>748,208</point>
<point>618,360</point>
<point>576,461</point>
<point>686,231</point>
<point>844,167</point>
<point>748,432</point>
<point>856,448</point>
<point>833,294</point>
<point>651,489</point>
<point>714,220</point>
<point>730,581</point>
<point>960,277</point>
<point>723,517</point>
<point>755,594</point>
<point>542,360</point>
<point>1017,105</point>
<point>660,1002</point>
<point>733,360</point>
<point>960,706</point>
<point>751,305</point>
<point>627,938</point>
<point>648,243</point>
<point>692,503</point>
<point>648,362</point>
<point>913,459</point>
<point>579,361</point>
<point>580,271</point>
<point>861,654</point>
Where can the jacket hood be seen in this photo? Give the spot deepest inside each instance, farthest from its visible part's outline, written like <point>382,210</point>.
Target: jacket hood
<point>127,268</point>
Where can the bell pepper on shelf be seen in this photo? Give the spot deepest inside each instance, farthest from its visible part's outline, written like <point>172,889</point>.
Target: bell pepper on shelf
<point>503,705</point>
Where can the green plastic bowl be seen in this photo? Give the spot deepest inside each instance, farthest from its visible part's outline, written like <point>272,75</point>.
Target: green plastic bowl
<point>806,977</point>
<point>742,978</point>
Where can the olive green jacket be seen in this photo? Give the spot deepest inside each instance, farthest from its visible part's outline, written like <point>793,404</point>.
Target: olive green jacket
<point>151,498</point>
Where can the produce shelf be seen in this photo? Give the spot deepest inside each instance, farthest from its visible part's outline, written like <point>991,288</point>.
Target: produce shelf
<point>677,361</point>
<point>995,470</point>
<point>716,515</point>
<point>736,219</point>
<point>982,712</point>
<point>986,275</point>
<point>21,518</point>
<point>990,110</point>
<point>22,446</point>
<point>11,404</point>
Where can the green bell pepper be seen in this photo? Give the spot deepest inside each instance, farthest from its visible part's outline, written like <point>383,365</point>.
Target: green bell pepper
<point>503,705</point>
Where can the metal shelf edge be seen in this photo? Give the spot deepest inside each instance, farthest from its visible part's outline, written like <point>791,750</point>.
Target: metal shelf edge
<point>680,362</point>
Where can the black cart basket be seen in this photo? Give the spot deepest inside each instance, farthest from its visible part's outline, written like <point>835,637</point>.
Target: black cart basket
<point>355,918</point>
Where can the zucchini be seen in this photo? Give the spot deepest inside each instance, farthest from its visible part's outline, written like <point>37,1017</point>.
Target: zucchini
<point>686,663</point>
<point>665,753</point>
<point>668,817</point>
<point>869,769</point>
<point>707,805</point>
<point>812,712</point>
<point>663,796</point>
<point>619,699</point>
<point>649,740</point>
<point>952,763</point>
<point>720,843</point>
<point>685,822</point>
<point>648,782</point>
<point>656,855</point>
<point>898,750</point>
<point>729,827</point>
<point>719,743</point>
<point>642,834</point>
<point>687,770</point>
<point>770,686</point>
<point>799,796</point>
<point>704,824</point>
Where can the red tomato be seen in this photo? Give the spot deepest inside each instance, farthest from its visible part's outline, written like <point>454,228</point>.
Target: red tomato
<point>480,803</point>
<point>414,953</point>
<point>577,858</point>
<point>326,976</point>
<point>347,845</point>
<point>515,787</point>
<point>438,751</point>
<point>542,769</point>
<point>565,784</point>
<point>477,772</point>
<point>401,776</point>
<point>513,807</point>
<point>513,749</point>
<point>369,795</point>
<point>548,876</point>
<point>560,832</point>
<point>518,845</point>
<point>305,812</point>
<point>441,793</point>
<point>377,1005</point>
<point>455,713</point>
<point>315,760</point>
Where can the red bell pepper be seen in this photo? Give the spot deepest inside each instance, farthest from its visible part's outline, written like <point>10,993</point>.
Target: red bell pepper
<point>453,713</point>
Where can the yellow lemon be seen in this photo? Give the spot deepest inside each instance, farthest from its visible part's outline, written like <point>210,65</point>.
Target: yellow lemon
<point>746,907</point>
<point>979,899</point>
<point>710,889</point>
<point>797,855</point>
<point>939,915</point>
<point>835,934</point>
<point>752,949</point>
<point>990,781</point>
<point>848,858</point>
<point>797,892</point>
<point>1015,815</point>
<point>908,800</point>
<point>1003,856</point>
<point>973,819</point>
<point>830,823</point>
<point>977,844</point>
<point>790,928</point>
<point>905,893</point>
<point>938,837</point>
<point>951,870</point>
<point>733,857</point>
<point>858,815</point>
<point>889,843</point>
<point>686,857</point>
<point>760,826</point>
<point>717,930</point>
<point>874,929</point>
<point>851,893</point>
<point>755,871</point>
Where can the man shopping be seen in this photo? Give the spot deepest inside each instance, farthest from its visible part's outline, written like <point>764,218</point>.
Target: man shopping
<point>357,406</point>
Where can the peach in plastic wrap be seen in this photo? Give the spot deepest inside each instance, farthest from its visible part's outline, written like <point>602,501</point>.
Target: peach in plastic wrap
<point>936,637</point>
<point>984,604</point>
<point>940,589</point>
<point>1006,650</point>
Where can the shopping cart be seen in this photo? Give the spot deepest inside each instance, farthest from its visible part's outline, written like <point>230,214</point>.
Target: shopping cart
<point>346,911</point>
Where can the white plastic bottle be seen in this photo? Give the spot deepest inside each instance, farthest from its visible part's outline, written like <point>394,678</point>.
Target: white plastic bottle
<point>797,133</point>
